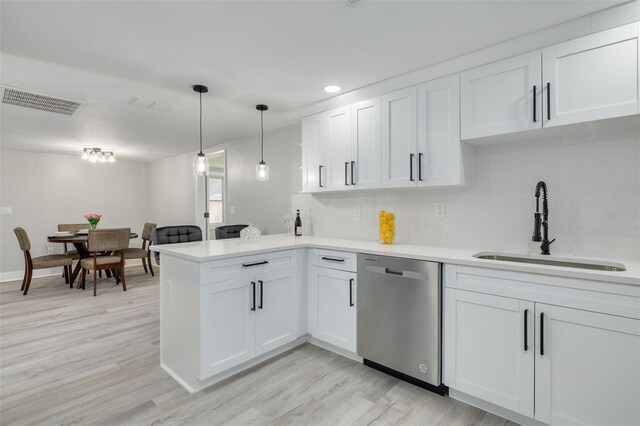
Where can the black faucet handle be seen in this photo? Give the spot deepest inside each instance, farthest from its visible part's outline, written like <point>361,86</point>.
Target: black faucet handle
<point>551,242</point>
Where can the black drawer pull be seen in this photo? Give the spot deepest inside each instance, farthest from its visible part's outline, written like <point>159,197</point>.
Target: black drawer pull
<point>392,272</point>
<point>353,166</point>
<point>346,172</point>
<point>534,108</point>
<point>420,166</point>
<point>411,167</point>
<point>548,101</point>
<point>320,176</point>
<point>249,265</point>
<point>261,293</point>
<point>332,259</point>
<point>541,333</point>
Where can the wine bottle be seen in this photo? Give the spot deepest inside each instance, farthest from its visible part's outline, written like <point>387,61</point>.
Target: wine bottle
<point>298,225</point>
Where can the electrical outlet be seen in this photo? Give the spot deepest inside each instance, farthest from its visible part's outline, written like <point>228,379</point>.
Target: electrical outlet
<point>232,210</point>
<point>49,250</point>
<point>357,212</point>
<point>305,212</point>
<point>440,210</point>
<point>169,289</point>
<point>6,211</point>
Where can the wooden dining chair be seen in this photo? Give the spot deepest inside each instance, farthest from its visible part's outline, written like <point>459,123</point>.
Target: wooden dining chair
<point>113,242</point>
<point>41,262</point>
<point>143,253</point>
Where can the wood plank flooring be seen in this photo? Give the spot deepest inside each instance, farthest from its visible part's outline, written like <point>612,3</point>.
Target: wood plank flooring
<point>67,357</point>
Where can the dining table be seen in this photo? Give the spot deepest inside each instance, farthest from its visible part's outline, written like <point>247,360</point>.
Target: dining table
<point>79,241</point>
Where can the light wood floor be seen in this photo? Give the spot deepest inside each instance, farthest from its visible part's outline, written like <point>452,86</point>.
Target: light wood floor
<point>67,357</point>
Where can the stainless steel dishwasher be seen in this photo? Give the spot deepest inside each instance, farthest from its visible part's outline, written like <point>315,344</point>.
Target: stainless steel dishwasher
<point>400,318</point>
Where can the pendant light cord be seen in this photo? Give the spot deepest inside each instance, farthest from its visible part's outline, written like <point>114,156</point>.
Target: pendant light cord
<point>200,122</point>
<point>261,138</point>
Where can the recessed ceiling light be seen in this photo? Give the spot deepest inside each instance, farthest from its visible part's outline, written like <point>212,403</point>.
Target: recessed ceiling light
<point>332,88</point>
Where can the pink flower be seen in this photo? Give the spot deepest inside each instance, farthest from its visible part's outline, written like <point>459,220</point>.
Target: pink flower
<point>92,216</point>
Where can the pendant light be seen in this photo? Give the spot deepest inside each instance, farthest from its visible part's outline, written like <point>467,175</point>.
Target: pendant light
<point>262,169</point>
<point>200,162</point>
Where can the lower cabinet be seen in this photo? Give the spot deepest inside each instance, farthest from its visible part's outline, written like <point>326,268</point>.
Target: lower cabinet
<point>332,307</point>
<point>557,364</point>
<point>244,318</point>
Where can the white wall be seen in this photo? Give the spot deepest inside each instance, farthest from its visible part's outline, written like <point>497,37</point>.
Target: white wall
<point>46,189</point>
<point>593,175</point>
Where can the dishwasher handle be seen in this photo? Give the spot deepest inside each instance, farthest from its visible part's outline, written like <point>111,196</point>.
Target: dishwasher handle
<point>392,272</point>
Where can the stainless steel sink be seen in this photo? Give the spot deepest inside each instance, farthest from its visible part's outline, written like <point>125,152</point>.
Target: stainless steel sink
<point>553,261</point>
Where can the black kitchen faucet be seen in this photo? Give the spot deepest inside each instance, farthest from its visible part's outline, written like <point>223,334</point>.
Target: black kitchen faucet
<point>542,219</point>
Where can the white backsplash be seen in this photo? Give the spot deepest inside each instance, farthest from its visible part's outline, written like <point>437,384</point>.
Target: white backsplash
<point>593,176</point>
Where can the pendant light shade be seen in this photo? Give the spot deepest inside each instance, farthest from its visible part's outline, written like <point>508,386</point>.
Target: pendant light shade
<point>201,161</point>
<point>262,169</point>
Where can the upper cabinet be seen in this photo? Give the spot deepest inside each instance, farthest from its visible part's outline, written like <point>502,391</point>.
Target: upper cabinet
<point>364,163</point>
<point>502,97</point>
<point>589,78</point>
<point>592,78</point>
<point>313,155</point>
<point>399,137</point>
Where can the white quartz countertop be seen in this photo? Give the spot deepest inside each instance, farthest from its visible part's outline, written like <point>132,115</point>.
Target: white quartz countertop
<point>205,251</point>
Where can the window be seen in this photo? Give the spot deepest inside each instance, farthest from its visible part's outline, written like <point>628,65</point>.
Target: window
<point>217,187</point>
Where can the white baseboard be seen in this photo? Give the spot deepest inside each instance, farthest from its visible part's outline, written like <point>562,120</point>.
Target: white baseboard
<point>492,408</point>
<point>52,272</point>
<point>332,348</point>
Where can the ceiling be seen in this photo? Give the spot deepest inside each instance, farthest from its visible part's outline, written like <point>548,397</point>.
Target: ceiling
<point>278,53</point>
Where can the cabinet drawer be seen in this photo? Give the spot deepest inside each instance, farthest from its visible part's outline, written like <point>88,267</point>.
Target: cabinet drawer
<point>229,269</point>
<point>340,260</point>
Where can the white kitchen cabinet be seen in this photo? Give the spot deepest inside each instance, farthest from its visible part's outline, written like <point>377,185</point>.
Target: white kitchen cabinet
<point>494,349</point>
<point>338,148</point>
<point>364,171</point>
<point>576,364</point>
<point>587,367</point>
<point>502,97</point>
<point>313,153</point>
<point>227,332</point>
<point>332,307</point>
<point>274,314</point>
<point>439,149</point>
<point>399,137</point>
<point>592,77</point>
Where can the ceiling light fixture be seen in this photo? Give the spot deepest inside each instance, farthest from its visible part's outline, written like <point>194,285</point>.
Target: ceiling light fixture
<point>332,88</point>
<point>96,155</point>
<point>262,169</point>
<point>200,162</point>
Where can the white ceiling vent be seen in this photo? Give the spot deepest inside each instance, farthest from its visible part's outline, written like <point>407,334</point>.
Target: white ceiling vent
<point>32,100</point>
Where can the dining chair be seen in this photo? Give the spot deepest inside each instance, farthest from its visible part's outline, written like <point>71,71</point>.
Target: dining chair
<point>113,242</point>
<point>40,262</point>
<point>143,253</point>
<point>229,231</point>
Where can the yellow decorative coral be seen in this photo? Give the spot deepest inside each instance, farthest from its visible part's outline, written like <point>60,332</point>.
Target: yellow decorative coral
<point>387,227</point>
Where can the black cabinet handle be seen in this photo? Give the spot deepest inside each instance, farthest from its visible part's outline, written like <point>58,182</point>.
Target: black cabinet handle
<point>346,172</point>
<point>332,259</point>
<point>353,165</point>
<point>351,292</point>
<point>526,330</point>
<point>534,107</point>
<point>249,265</point>
<point>253,291</point>
<point>320,176</point>
<point>541,333</point>
<point>411,167</point>
<point>420,166</point>
<point>548,101</point>
<point>261,293</point>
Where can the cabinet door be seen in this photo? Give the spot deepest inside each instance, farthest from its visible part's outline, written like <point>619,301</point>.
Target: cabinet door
<point>587,367</point>
<point>494,351</point>
<point>593,77</point>
<point>338,148</point>
<point>227,332</point>
<point>313,165</point>
<point>332,307</point>
<point>274,313</point>
<point>399,138</point>
<point>439,153</point>
<point>365,144</point>
<point>501,97</point>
